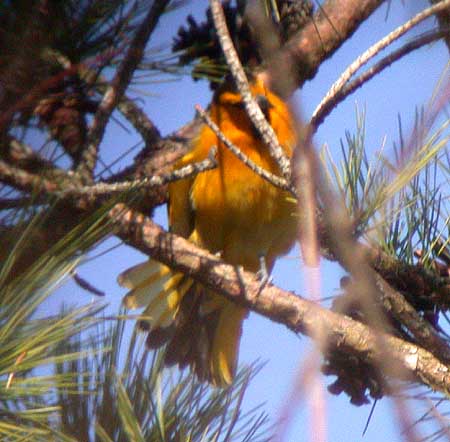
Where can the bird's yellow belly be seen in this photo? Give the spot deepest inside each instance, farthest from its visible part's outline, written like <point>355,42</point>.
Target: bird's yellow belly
<point>243,216</point>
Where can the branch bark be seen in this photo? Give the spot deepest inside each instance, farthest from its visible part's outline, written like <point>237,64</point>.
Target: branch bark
<point>117,89</point>
<point>255,114</point>
<point>407,361</point>
<point>335,22</point>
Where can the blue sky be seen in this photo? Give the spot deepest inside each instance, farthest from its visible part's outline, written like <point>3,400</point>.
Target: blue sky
<point>398,90</point>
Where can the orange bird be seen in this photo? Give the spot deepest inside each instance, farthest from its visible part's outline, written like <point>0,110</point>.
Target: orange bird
<point>228,210</point>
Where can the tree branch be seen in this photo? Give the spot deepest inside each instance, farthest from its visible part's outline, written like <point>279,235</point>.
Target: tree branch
<point>268,176</point>
<point>117,89</point>
<point>335,22</point>
<point>253,111</point>
<point>328,101</point>
<point>107,189</point>
<point>133,113</point>
<point>343,334</point>
<point>23,156</point>
<point>25,181</point>
<point>425,335</point>
<point>325,108</point>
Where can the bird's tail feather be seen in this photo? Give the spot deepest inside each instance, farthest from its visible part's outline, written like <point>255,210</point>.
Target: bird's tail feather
<point>225,348</point>
<point>158,289</point>
<point>201,328</point>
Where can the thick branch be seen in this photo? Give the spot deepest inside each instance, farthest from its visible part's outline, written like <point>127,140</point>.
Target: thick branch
<point>343,334</point>
<point>336,21</point>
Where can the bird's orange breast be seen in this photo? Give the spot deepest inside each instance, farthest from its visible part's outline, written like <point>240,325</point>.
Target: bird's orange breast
<point>236,211</point>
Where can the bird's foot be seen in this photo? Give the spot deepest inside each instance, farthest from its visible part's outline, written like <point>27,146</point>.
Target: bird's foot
<point>263,274</point>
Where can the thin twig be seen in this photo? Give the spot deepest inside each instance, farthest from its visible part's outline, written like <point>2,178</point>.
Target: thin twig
<point>136,116</point>
<point>140,120</point>
<point>263,173</point>
<point>41,180</point>
<point>371,52</point>
<point>253,111</point>
<point>117,88</point>
<point>129,109</point>
<point>320,115</point>
<point>406,314</point>
<point>22,180</point>
<point>29,182</point>
<point>391,58</point>
<point>145,183</point>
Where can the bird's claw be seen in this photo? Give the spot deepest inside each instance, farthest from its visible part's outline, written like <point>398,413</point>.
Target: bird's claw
<point>263,274</point>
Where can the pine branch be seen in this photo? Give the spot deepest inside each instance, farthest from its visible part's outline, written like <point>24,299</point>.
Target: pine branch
<point>335,92</point>
<point>105,189</point>
<point>344,335</point>
<point>117,89</point>
<point>335,22</point>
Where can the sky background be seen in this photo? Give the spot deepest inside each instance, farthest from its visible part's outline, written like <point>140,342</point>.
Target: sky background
<point>401,88</point>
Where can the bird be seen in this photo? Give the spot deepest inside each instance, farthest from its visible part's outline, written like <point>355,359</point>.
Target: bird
<point>230,211</point>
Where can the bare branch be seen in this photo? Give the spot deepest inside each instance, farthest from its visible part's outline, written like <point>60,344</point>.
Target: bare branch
<point>330,28</point>
<point>330,98</point>
<point>343,334</point>
<point>132,112</point>
<point>254,112</point>
<point>139,119</point>
<point>117,88</point>
<point>351,87</point>
<point>268,176</point>
<point>145,183</point>
<point>29,182</point>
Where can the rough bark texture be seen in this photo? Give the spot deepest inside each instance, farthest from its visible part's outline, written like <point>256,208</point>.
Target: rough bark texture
<point>406,361</point>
